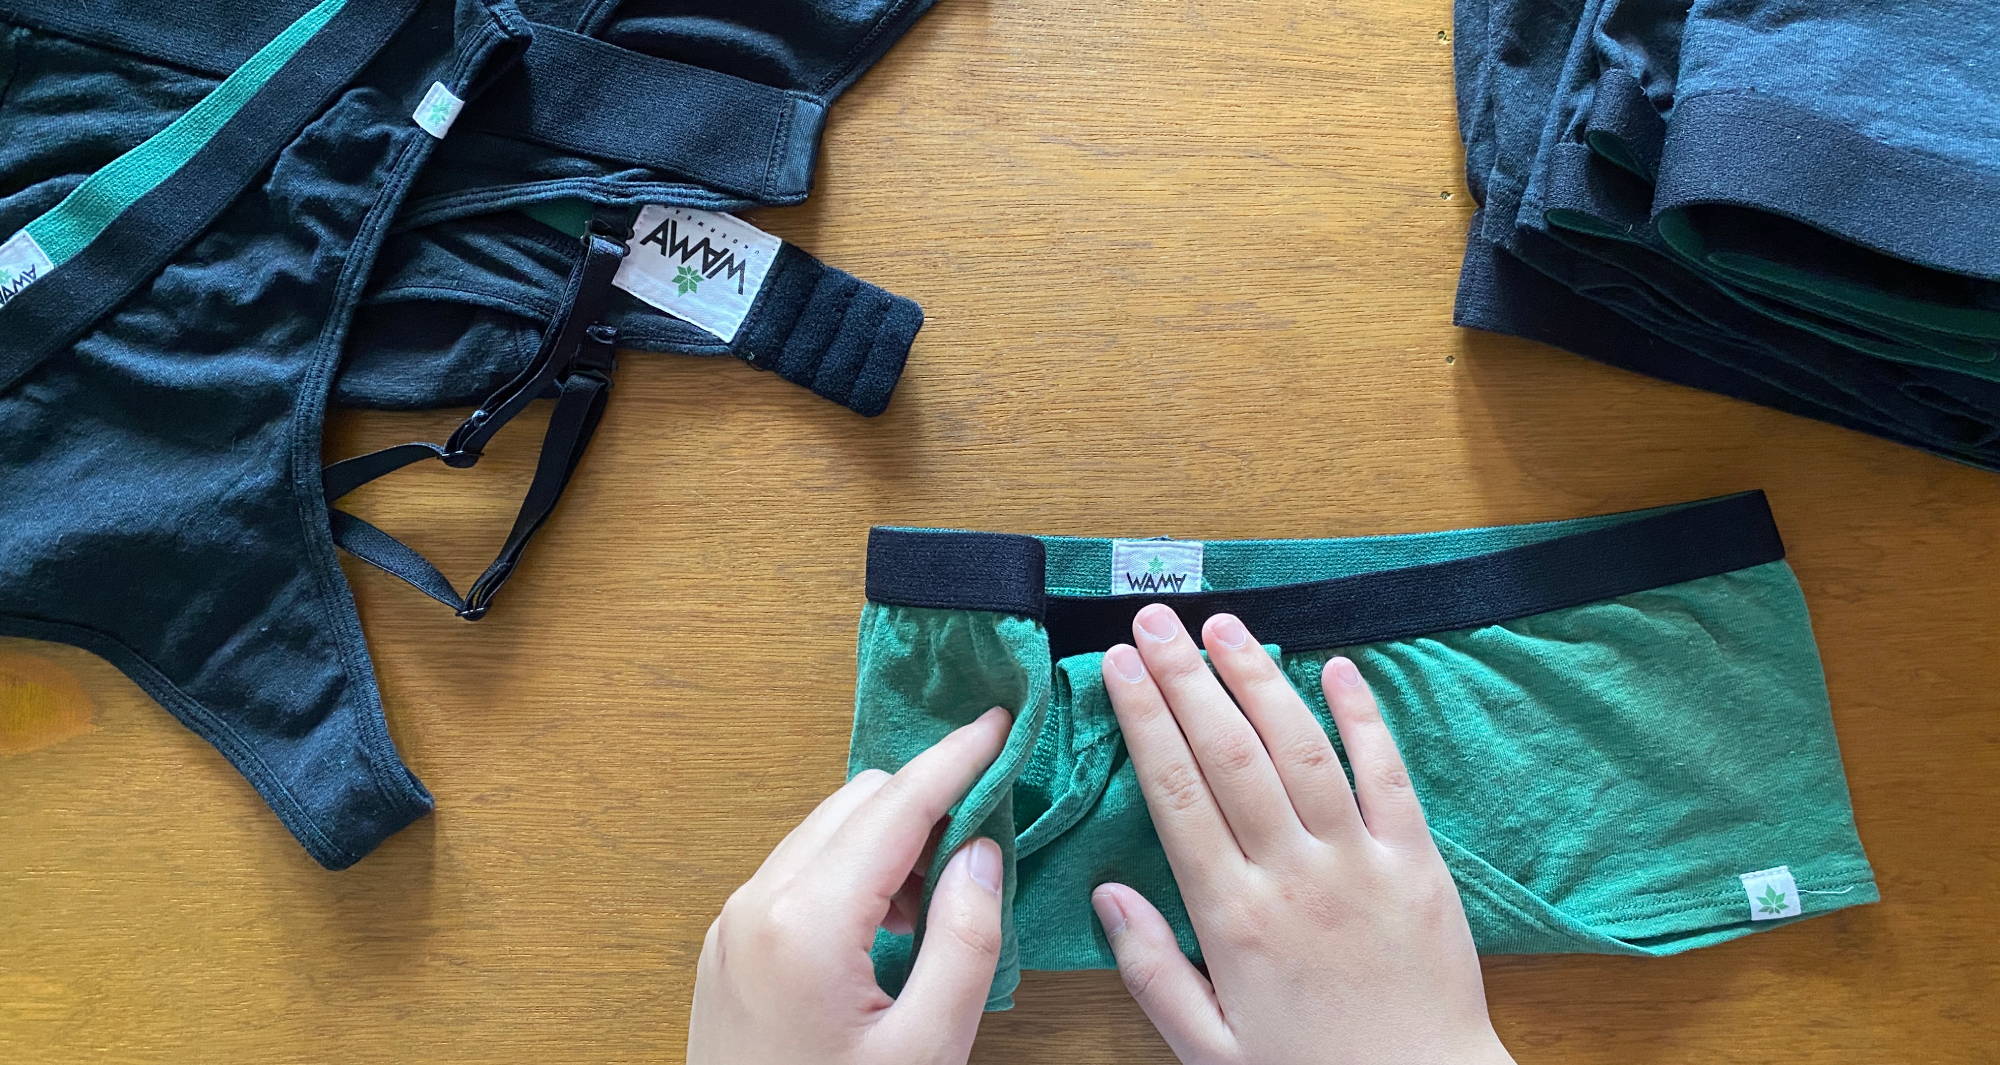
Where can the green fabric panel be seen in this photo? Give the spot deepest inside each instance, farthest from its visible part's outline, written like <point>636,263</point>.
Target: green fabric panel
<point>1883,338</point>
<point>1597,777</point>
<point>926,673</point>
<point>1613,148</point>
<point>571,216</point>
<point>1680,232</point>
<point>69,226</point>
<point>1767,278</point>
<point>1855,329</point>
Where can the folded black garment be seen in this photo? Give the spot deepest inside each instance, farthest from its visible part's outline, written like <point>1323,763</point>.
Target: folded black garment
<point>1574,117</point>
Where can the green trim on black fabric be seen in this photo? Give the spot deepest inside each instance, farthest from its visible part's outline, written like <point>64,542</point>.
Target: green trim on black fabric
<point>70,226</point>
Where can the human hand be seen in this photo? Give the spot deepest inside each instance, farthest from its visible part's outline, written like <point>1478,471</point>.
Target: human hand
<point>785,975</point>
<point>1331,930</point>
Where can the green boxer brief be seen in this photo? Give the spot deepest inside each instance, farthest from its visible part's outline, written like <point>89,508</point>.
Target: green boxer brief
<point>1617,724</point>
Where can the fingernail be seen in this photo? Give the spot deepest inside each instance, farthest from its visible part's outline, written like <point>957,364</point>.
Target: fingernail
<point>1125,659</point>
<point>1229,631</point>
<point>1159,622</point>
<point>1344,671</point>
<point>1109,913</point>
<point>984,864</point>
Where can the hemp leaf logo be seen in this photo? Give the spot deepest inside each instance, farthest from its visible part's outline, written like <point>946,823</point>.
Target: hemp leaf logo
<point>1156,565</point>
<point>687,280</point>
<point>1773,900</point>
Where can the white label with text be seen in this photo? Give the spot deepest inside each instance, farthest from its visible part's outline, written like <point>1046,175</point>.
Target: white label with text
<point>22,263</point>
<point>1140,567</point>
<point>699,266</point>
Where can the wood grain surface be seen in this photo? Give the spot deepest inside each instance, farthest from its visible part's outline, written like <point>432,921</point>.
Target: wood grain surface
<point>1188,268</point>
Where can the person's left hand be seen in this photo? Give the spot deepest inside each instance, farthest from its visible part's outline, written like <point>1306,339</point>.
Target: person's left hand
<point>785,975</point>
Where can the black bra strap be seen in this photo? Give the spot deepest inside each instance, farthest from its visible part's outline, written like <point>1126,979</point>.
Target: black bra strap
<point>573,365</point>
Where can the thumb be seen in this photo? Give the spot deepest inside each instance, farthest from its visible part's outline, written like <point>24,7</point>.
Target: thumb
<point>942,1003</point>
<point>1175,996</point>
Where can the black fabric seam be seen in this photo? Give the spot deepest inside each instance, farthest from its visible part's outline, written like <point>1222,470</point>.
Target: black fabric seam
<point>853,56</point>
<point>195,714</point>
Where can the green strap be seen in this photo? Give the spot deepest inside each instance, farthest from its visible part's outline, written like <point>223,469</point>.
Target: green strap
<point>70,226</point>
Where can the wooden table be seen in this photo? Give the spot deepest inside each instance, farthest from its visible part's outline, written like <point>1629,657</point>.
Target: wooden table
<point>1189,270</point>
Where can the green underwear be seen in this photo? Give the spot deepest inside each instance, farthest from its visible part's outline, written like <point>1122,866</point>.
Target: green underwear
<point>1617,725</point>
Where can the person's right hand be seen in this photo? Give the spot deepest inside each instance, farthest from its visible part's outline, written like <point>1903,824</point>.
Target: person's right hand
<point>1332,932</point>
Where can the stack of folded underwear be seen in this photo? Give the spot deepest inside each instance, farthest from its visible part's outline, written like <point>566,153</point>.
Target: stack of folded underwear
<point>1785,201</point>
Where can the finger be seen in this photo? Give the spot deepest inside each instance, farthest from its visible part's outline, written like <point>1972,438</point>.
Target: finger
<point>908,902</point>
<point>1298,745</point>
<point>1231,757</point>
<point>1381,782</point>
<point>1191,827</point>
<point>873,853</point>
<point>1174,995</point>
<point>809,836</point>
<point>947,989</point>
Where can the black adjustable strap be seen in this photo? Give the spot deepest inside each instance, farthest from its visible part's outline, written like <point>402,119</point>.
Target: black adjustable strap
<point>829,331</point>
<point>573,365</point>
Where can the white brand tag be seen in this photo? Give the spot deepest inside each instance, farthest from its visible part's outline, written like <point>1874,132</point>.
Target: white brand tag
<point>1772,893</point>
<point>1142,566</point>
<point>699,266</point>
<point>22,263</point>
<point>438,110</point>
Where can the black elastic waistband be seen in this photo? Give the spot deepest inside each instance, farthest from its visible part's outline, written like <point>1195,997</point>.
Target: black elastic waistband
<point>210,37</point>
<point>53,312</point>
<point>569,91</point>
<point>1004,573</point>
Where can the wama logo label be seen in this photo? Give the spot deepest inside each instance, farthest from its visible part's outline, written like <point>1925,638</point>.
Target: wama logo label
<point>683,248</point>
<point>702,267</point>
<point>1155,566</point>
<point>13,281</point>
<point>1155,582</point>
<point>22,263</point>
